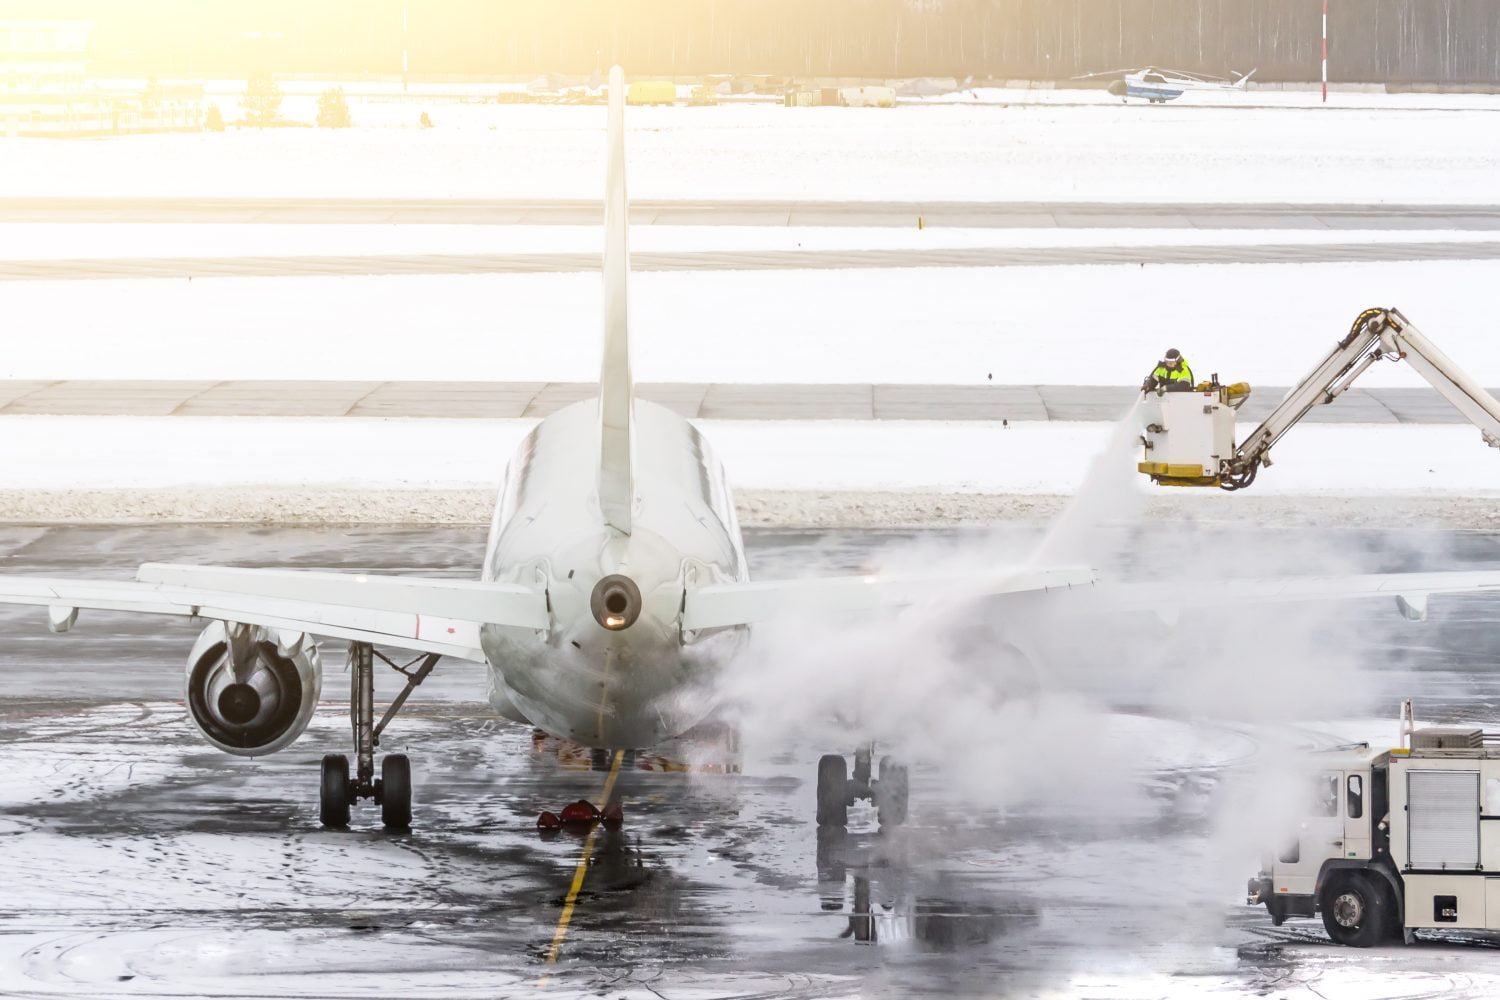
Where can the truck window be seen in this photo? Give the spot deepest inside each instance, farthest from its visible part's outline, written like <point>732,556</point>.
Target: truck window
<point>1355,803</point>
<point>1326,795</point>
<point>1492,796</point>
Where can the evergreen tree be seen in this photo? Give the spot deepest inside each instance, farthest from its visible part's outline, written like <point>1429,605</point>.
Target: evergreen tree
<point>213,119</point>
<point>262,100</point>
<point>333,109</point>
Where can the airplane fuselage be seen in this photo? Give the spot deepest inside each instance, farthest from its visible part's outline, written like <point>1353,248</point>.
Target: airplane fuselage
<point>641,684</point>
<point>1153,91</point>
<point>1157,87</point>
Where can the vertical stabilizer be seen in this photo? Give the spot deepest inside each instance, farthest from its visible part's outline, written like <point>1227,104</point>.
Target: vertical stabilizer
<point>616,396</point>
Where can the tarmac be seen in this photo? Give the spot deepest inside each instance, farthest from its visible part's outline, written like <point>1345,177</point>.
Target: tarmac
<point>769,212</point>
<point>141,862</point>
<point>699,401</point>
<point>294,266</point>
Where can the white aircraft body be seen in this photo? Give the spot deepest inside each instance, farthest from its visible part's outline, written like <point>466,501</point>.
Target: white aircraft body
<point>613,588</point>
<point>1162,85</point>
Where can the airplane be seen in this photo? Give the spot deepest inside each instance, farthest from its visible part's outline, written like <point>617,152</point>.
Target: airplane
<point>613,590</point>
<point>1158,86</point>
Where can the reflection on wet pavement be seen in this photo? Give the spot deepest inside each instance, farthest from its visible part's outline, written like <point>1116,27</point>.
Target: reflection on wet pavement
<point>139,861</point>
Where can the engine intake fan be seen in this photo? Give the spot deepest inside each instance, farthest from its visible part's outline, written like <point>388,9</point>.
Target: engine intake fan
<point>252,691</point>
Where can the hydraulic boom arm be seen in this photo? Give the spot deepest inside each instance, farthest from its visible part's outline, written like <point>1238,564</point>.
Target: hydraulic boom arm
<point>1377,335</point>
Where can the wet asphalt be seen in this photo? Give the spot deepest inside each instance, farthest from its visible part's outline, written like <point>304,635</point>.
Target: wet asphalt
<point>139,861</point>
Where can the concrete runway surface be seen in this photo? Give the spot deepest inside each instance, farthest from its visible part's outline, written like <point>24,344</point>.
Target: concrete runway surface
<point>294,265</point>
<point>699,401</point>
<point>139,861</point>
<point>760,212</point>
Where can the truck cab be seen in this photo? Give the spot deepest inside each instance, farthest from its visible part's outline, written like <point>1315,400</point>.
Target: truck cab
<point>1393,841</point>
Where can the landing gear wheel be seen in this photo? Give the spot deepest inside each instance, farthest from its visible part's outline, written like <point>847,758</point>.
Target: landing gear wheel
<point>395,792</point>
<point>891,793</point>
<point>333,794</point>
<point>1356,910</point>
<point>393,788</point>
<point>833,790</point>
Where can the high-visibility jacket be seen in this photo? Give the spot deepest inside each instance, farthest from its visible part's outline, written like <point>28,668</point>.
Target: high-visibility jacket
<point>1182,373</point>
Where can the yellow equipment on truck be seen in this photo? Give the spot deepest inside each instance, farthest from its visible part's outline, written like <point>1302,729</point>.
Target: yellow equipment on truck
<point>1189,436</point>
<point>651,92</point>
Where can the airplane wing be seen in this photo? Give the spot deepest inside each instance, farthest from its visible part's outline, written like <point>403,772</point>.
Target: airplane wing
<point>725,604</point>
<point>416,613</point>
<point>1410,590</point>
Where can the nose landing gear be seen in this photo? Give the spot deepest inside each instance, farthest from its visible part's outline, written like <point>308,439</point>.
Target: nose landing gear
<point>392,790</point>
<point>837,791</point>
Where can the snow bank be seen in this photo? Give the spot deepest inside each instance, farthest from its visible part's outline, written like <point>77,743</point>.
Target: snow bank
<point>778,509</point>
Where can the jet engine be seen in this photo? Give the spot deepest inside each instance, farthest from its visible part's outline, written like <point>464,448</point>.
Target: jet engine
<point>250,690</point>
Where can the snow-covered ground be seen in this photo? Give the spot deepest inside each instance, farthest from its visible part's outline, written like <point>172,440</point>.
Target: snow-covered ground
<point>1091,325</point>
<point>1365,148</point>
<point>919,456</point>
<point>1082,324</point>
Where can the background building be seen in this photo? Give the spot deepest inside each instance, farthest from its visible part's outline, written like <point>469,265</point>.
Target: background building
<point>43,85</point>
<point>1374,41</point>
<point>45,88</point>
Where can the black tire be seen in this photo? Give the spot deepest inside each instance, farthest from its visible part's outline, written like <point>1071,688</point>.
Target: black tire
<point>395,792</point>
<point>891,791</point>
<point>832,866</point>
<point>833,790</point>
<point>333,793</point>
<point>1356,909</point>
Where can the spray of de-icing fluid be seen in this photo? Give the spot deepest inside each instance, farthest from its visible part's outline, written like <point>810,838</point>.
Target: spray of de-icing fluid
<point>1110,497</point>
<point>1028,709</point>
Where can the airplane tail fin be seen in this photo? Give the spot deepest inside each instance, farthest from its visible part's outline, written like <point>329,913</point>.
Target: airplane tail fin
<point>616,471</point>
<point>1244,82</point>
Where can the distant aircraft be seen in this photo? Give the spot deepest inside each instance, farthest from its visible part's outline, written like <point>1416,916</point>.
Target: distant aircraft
<point>1161,85</point>
<point>613,591</point>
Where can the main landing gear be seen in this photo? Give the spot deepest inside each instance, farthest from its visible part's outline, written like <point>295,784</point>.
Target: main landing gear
<point>837,791</point>
<point>392,790</point>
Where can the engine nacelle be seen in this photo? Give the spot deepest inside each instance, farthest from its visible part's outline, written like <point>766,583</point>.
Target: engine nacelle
<point>250,690</point>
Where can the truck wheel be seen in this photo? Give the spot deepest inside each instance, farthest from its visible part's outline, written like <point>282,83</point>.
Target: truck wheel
<point>1356,910</point>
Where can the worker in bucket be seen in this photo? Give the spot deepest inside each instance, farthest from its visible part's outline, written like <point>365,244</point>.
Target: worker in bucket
<point>1172,374</point>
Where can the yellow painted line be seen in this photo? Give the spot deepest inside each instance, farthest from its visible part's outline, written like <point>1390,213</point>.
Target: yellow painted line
<point>578,874</point>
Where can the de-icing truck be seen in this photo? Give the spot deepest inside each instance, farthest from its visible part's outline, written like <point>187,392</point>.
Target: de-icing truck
<point>1188,437</point>
<point>1394,841</point>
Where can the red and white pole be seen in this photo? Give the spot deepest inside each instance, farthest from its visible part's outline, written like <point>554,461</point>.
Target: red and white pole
<point>1325,51</point>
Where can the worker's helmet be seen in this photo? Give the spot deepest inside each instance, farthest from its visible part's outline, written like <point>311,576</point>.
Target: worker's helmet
<point>1173,354</point>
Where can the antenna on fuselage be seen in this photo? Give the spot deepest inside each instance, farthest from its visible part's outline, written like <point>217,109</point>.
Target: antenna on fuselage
<point>616,395</point>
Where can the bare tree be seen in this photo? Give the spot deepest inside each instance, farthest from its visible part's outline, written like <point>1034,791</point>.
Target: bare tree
<point>262,101</point>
